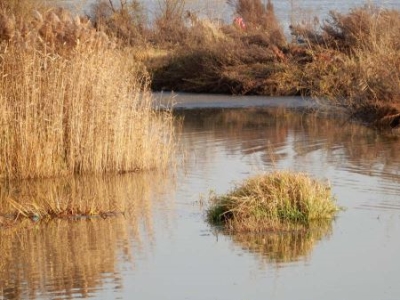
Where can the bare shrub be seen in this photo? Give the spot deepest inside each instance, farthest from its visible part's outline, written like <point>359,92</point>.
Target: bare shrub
<point>258,17</point>
<point>123,20</point>
<point>169,27</point>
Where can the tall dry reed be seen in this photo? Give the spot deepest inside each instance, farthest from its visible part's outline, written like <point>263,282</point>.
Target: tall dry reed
<point>72,104</point>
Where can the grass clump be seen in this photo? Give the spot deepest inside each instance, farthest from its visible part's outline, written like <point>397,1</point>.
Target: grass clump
<point>281,200</point>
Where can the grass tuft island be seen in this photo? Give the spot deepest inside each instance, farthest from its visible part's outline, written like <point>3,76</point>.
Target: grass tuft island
<point>281,200</point>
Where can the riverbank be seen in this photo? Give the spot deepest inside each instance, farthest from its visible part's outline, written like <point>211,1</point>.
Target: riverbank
<point>351,59</point>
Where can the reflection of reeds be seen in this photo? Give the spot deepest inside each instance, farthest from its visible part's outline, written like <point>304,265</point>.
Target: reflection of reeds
<point>69,258</point>
<point>287,246</point>
<point>73,197</point>
<point>65,259</point>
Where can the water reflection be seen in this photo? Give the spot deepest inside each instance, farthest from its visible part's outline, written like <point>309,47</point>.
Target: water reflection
<point>286,136</point>
<point>164,241</point>
<point>280,248</point>
<point>69,259</point>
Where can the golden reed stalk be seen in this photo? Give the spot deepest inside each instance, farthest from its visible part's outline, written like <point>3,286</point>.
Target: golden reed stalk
<point>70,102</point>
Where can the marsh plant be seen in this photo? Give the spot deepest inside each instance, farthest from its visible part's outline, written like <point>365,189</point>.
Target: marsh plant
<point>281,200</point>
<point>73,103</point>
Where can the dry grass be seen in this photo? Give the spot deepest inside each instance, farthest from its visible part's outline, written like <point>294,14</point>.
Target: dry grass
<point>281,200</point>
<point>72,103</point>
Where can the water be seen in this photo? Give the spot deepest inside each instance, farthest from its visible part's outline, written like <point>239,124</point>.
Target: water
<point>287,10</point>
<point>163,248</point>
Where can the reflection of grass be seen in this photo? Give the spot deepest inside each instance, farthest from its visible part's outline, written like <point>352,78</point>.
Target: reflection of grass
<point>284,246</point>
<point>61,258</point>
<point>70,257</point>
<point>279,200</point>
<point>75,197</point>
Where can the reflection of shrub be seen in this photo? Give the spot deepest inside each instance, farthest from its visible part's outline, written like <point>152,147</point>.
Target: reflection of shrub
<point>284,246</point>
<point>280,200</point>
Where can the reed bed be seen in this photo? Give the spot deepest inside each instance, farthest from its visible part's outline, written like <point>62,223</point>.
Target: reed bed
<point>72,103</point>
<point>281,200</point>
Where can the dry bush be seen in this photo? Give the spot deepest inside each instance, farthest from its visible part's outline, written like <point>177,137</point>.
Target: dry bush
<point>170,28</point>
<point>221,60</point>
<point>354,60</point>
<point>368,28</point>
<point>258,17</point>
<point>124,20</point>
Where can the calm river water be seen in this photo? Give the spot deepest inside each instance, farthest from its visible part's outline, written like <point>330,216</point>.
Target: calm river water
<point>163,248</point>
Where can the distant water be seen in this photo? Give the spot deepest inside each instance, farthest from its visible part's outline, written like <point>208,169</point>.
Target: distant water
<point>287,10</point>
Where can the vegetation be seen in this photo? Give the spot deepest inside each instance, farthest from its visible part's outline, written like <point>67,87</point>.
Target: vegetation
<point>350,59</point>
<point>72,102</point>
<point>75,90</point>
<point>281,200</point>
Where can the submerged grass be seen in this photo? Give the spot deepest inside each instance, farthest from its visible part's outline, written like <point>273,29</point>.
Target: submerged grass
<point>281,200</point>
